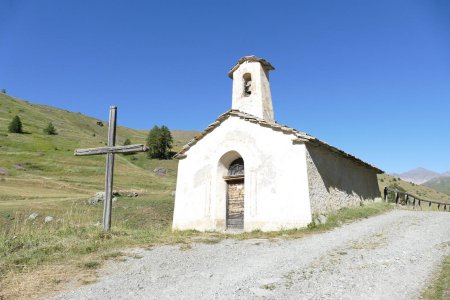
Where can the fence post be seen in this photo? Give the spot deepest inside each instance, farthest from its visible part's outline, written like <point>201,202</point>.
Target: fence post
<point>396,198</point>
<point>414,202</point>
<point>386,194</point>
<point>407,199</point>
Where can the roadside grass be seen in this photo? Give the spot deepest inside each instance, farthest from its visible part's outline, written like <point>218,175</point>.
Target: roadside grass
<point>75,240</point>
<point>334,220</point>
<point>440,287</point>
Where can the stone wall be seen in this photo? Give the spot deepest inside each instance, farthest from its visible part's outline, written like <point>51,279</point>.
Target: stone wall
<point>336,182</point>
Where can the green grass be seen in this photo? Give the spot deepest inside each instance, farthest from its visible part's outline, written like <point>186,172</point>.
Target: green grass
<point>440,288</point>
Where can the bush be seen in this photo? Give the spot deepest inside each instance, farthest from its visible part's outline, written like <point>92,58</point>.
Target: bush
<point>16,125</point>
<point>126,143</point>
<point>50,129</point>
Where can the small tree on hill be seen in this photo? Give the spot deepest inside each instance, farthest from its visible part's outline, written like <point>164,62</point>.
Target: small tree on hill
<point>15,126</point>
<point>4,91</point>
<point>50,129</point>
<point>126,143</point>
<point>159,142</point>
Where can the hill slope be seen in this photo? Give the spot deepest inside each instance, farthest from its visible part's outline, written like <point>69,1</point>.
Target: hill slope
<point>441,184</point>
<point>42,167</point>
<point>421,191</point>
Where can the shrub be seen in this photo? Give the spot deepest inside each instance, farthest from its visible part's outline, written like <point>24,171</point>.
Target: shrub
<point>50,129</point>
<point>16,125</point>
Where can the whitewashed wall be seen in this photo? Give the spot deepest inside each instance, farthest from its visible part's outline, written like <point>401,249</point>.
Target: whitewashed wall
<point>276,183</point>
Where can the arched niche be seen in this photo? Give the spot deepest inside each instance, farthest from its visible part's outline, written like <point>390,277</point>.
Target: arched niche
<point>231,192</point>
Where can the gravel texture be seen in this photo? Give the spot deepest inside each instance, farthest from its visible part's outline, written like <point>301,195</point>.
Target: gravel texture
<point>392,256</point>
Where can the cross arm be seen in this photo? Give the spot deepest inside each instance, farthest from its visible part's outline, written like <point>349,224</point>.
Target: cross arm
<point>113,149</point>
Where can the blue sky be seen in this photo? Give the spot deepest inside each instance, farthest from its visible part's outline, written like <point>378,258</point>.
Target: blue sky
<point>369,77</point>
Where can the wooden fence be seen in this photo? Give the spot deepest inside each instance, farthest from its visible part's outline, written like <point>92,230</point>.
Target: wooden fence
<point>412,199</point>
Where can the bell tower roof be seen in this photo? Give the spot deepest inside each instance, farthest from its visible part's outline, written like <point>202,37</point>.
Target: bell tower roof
<point>264,63</point>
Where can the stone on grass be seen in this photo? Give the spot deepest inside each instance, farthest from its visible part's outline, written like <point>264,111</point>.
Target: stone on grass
<point>92,201</point>
<point>100,197</point>
<point>19,167</point>
<point>48,219</point>
<point>33,216</point>
<point>133,194</point>
<point>322,219</point>
<point>3,171</point>
<point>160,171</point>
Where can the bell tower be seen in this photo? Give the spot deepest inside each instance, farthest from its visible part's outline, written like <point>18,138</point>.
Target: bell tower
<point>251,89</point>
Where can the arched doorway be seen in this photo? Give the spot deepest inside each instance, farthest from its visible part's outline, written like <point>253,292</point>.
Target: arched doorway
<point>235,195</point>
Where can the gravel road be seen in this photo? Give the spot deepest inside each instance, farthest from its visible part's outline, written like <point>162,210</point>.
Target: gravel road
<point>391,256</point>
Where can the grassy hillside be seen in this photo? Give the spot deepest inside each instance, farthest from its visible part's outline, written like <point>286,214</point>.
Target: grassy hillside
<point>34,157</point>
<point>441,184</point>
<point>414,189</point>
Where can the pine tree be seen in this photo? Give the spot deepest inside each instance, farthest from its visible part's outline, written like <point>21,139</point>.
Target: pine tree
<point>166,141</point>
<point>159,142</point>
<point>50,129</point>
<point>15,126</point>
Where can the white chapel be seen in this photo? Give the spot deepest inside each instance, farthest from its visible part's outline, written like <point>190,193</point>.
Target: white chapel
<point>246,172</point>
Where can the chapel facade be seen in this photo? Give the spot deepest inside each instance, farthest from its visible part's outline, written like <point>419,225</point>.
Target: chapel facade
<point>246,172</point>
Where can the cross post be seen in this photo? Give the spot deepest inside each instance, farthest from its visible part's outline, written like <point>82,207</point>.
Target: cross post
<point>109,169</point>
<point>110,150</point>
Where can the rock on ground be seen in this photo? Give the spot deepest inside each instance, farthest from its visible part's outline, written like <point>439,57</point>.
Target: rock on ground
<point>160,171</point>
<point>100,197</point>
<point>391,256</point>
<point>33,216</point>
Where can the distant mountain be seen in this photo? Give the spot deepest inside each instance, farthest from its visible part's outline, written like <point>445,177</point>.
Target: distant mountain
<point>440,184</point>
<point>447,174</point>
<point>437,181</point>
<point>418,175</point>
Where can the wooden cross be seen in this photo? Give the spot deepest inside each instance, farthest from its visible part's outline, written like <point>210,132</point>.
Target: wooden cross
<point>110,150</point>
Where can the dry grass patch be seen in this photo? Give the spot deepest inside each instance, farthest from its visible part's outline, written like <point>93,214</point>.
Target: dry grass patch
<point>440,287</point>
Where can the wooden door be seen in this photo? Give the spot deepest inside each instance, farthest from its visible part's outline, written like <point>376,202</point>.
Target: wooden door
<point>235,204</point>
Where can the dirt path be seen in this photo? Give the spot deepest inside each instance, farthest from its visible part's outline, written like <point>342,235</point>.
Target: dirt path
<point>386,257</point>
